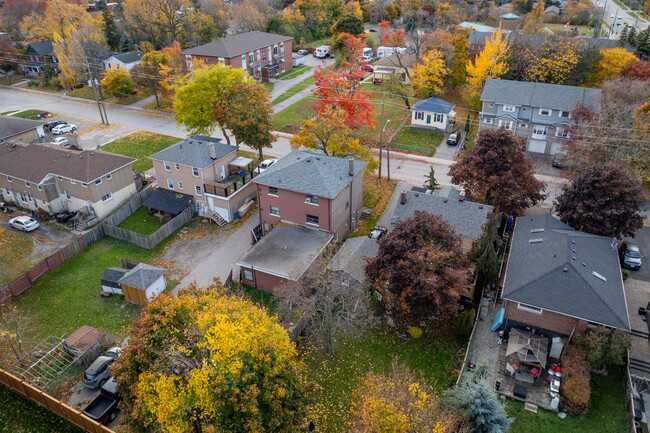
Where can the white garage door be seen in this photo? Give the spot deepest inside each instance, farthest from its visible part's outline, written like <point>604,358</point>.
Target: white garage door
<point>537,146</point>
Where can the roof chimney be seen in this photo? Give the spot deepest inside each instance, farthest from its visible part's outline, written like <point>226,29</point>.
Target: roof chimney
<point>402,197</point>
<point>213,151</point>
<point>351,167</point>
<point>461,197</point>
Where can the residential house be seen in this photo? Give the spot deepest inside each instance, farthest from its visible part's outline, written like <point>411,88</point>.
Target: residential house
<point>37,55</point>
<point>560,282</point>
<point>374,15</point>
<point>509,21</point>
<point>263,55</point>
<point>538,112</point>
<point>397,63</point>
<point>312,190</point>
<point>124,60</point>
<point>210,171</point>
<point>20,130</point>
<point>55,179</point>
<point>552,10</point>
<point>637,294</point>
<point>432,113</point>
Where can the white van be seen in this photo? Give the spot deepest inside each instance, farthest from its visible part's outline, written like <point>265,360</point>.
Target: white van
<point>322,52</point>
<point>387,51</point>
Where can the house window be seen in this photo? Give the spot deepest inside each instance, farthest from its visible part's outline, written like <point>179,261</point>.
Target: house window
<point>72,182</point>
<point>544,111</point>
<point>438,118</point>
<point>561,132</point>
<point>9,179</point>
<point>27,184</point>
<point>488,121</point>
<point>167,166</point>
<point>180,185</point>
<point>529,308</point>
<point>509,108</point>
<point>220,59</point>
<point>263,54</point>
<point>107,197</point>
<point>539,130</point>
<point>311,219</point>
<point>247,274</point>
<point>250,57</point>
<point>170,184</point>
<point>66,194</point>
<point>273,191</point>
<point>275,50</point>
<point>312,199</point>
<point>522,125</point>
<point>419,115</point>
<point>274,210</point>
<point>243,61</point>
<point>38,187</point>
<point>197,189</point>
<point>178,167</point>
<point>84,184</point>
<point>565,114</point>
<point>506,124</point>
<point>22,198</point>
<point>207,60</point>
<point>98,181</point>
<point>195,172</point>
<point>428,119</point>
<point>59,178</point>
<point>109,176</point>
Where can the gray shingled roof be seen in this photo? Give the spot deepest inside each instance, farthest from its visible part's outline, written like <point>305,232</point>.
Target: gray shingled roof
<point>129,57</point>
<point>142,276</point>
<point>466,217</point>
<point>237,45</point>
<point>194,151</point>
<point>43,48</point>
<point>310,173</point>
<point>542,95</point>
<point>433,105</point>
<point>558,273</point>
<point>10,126</point>
<point>351,257</point>
<point>479,37</point>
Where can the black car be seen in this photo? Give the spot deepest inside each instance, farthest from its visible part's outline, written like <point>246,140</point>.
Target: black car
<point>377,232</point>
<point>49,125</point>
<point>558,160</point>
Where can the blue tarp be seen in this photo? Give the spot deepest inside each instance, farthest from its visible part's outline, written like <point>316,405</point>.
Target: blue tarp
<point>498,320</point>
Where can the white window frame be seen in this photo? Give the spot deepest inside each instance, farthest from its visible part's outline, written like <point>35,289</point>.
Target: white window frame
<point>311,223</point>
<point>246,273</point>
<point>84,184</point>
<point>271,191</point>
<point>312,200</point>
<point>98,181</point>
<point>168,166</point>
<point>428,121</point>
<point>109,176</point>
<point>419,115</point>
<point>562,114</point>
<point>38,187</point>
<point>106,197</point>
<point>198,190</point>
<point>195,172</point>
<point>73,182</point>
<point>27,184</point>
<point>506,123</point>
<point>180,185</point>
<point>274,210</point>
<point>177,166</point>
<point>529,308</point>
<point>488,121</point>
<point>438,118</point>
<point>9,179</point>
<point>542,128</point>
<point>545,112</point>
<point>66,194</point>
<point>561,132</point>
<point>170,184</point>
<point>509,108</point>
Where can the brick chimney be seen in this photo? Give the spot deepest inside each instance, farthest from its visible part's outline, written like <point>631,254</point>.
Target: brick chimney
<point>351,167</point>
<point>402,197</point>
<point>213,152</point>
<point>461,197</point>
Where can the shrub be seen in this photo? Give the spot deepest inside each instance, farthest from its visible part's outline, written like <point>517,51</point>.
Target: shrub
<point>604,346</point>
<point>464,322</point>
<point>415,332</point>
<point>575,387</point>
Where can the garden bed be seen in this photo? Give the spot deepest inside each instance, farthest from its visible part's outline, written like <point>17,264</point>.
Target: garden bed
<point>376,196</point>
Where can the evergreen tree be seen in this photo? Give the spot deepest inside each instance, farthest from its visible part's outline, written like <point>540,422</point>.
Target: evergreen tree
<point>119,9</point>
<point>487,268</point>
<point>631,37</point>
<point>622,38</point>
<point>110,29</point>
<point>125,43</point>
<point>467,124</point>
<point>431,182</point>
<point>643,44</point>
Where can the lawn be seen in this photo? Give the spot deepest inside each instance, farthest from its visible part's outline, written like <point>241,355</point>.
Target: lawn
<point>418,140</point>
<point>69,296</point>
<point>27,113</point>
<point>140,145</point>
<point>317,43</point>
<point>141,222</point>
<point>288,119</point>
<point>339,375</point>
<point>376,195</point>
<point>20,414</point>
<point>560,29</point>
<point>606,412</point>
<point>15,247</point>
<point>295,89</point>
<point>293,73</point>
<point>89,93</point>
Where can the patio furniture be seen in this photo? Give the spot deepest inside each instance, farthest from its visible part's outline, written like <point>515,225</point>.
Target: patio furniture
<point>528,347</point>
<point>520,392</point>
<point>554,385</point>
<point>510,369</point>
<point>535,373</point>
<point>524,377</point>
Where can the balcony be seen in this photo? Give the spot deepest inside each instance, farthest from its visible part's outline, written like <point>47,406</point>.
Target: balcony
<point>241,173</point>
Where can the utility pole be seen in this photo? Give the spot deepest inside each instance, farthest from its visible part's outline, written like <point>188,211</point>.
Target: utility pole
<point>387,156</point>
<point>95,86</point>
<point>381,140</point>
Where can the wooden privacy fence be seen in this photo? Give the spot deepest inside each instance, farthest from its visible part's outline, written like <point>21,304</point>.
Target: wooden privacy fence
<point>56,406</point>
<point>151,241</point>
<point>129,207</point>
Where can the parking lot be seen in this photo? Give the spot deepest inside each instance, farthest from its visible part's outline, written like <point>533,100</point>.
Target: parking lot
<point>91,134</point>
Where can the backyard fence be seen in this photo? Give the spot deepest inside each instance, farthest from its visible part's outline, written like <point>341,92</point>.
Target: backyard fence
<point>151,241</point>
<point>54,405</point>
<point>129,207</point>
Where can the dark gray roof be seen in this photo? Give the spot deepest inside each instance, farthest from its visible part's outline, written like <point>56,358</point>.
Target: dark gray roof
<point>478,37</point>
<point>564,272</point>
<point>541,95</point>
<point>142,276</point>
<point>172,202</point>
<point>43,48</point>
<point>351,257</point>
<point>287,251</point>
<point>466,217</point>
<point>129,56</point>
<point>433,105</point>
<point>10,126</point>
<point>237,45</point>
<point>194,151</point>
<point>310,173</point>
<point>111,276</point>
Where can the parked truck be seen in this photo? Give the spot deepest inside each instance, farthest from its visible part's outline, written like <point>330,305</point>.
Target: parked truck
<point>104,408</point>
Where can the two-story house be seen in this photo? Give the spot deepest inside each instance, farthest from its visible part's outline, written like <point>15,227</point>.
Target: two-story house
<point>263,55</point>
<point>210,171</point>
<point>54,179</point>
<point>37,55</point>
<point>538,112</point>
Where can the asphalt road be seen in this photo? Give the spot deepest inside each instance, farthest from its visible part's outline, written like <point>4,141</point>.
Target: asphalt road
<point>613,11</point>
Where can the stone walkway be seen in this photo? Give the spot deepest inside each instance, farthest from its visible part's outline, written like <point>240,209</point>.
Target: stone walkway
<point>484,347</point>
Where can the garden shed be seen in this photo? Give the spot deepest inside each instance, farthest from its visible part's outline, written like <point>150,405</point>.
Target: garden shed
<point>110,280</point>
<point>143,283</point>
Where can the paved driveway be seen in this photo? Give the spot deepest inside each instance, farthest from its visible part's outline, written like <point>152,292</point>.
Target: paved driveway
<point>642,239</point>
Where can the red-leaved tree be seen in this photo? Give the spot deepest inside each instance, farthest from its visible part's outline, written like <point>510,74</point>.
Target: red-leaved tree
<point>420,269</point>
<point>497,169</point>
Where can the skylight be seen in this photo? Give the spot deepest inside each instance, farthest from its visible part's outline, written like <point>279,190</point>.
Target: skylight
<point>536,241</point>
<point>537,230</point>
<point>597,275</point>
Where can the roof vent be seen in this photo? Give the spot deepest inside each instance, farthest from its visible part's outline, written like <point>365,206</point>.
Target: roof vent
<point>446,200</point>
<point>597,275</point>
<point>308,159</point>
<point>573,242</point>
<point>574,257</point>
<point>565,269</point>
<point>584,264</point>
<point>536,241</point>
<point>297,158</point>
<point>480,206</point>
<point>91,153</point>
<point>537,230</point>
<point>417,194</point>
<point>573,250</point>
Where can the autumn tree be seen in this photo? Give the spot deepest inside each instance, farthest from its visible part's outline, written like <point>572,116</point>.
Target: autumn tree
<point>197,28</point>
<point>117,82</point>
<point>11,58</point>
<point>12,13</point>
<point>74,49</point>
<point>14,326</point>
<point>576,387</point>
<point>205,361</point>
<point>534,21</point>
<point>146,75</point>
<point>402,402</point>
<point>429,75</point>
<point>53,19</point>
<point>604,200</point>
<point>174,69</point>
<point>384,29</point>
<point>553,62</point>
<point>250,15</point>
<point>613,62</point>
<point>604,347</point>
<point>420,269</point>
<point>490,63</point>
<point>348,23</point>
<point>156,20</point>
<point>639,70</point>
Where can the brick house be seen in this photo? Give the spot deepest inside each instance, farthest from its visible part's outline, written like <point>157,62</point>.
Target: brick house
<point>560,281</point>
<point>37,55</point>
<point>263,55</point>
<point>210,171</point>
<point>55,179</point>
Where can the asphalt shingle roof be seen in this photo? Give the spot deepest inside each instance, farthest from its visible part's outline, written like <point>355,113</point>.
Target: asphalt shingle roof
<point>142,276</point>
<point>10,126</point>
<point>129,57</point>
<point>237,45</point>
<point>310,173</point>
<point>541,95</point>
<point>194,151</point>
<point>43,48</point>
<point>466,217</point>
<point>433,105</point>
<point>564,272</point>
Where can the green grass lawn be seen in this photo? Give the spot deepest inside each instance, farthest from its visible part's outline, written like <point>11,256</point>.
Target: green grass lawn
<point>269,86</point>
<point>287,119</point>
<point>69,296</point>
<point>295,89</point>
<point>140,145</point>
<point>15,247</point>
<point>27,113</point>
<point>20,414</point>
<point>340,374</point>
<point>89,93</point>
<point>560,29</point>
<point>141,222</point>
<point>606,413</point>
<point>293,73</point>
<point>318,42</point>
<point>418,140</point>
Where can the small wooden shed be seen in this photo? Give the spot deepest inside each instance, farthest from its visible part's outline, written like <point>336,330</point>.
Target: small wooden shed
<point>110,280</point>
<point>143,283</point>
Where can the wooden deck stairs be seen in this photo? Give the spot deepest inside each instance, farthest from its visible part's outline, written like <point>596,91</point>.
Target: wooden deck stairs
<point>211,215</point>
<point>530,407</point>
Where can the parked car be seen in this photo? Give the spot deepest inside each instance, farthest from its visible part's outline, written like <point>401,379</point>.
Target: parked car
<point>303,52</point>
<point>104,408</point>
<point>377,232</point>
<point>61,141</point>
<point>630,255</point>
<point>64,129</point>
<point>264,165</point>
<point>558,160</point>
<point>367,58</point>
<point>367,68</point>
<point>452,140</point>
<point>49,125</point>
<point>24,223</point>
<point>372,30</point>
<point>114,352</point>
<point>97,374</point>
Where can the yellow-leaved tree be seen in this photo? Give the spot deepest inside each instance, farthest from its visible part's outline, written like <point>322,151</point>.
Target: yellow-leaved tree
<point>534,20</point>
<point>490,63</point>
<point>55,17</point>
<point>206,361</point>
<point>74,49</point>
<point>428,76</point>
<point>613,62</point>
<point>554,62</point>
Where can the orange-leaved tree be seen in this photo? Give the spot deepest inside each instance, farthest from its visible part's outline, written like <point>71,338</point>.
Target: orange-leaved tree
<point>610,66</point>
